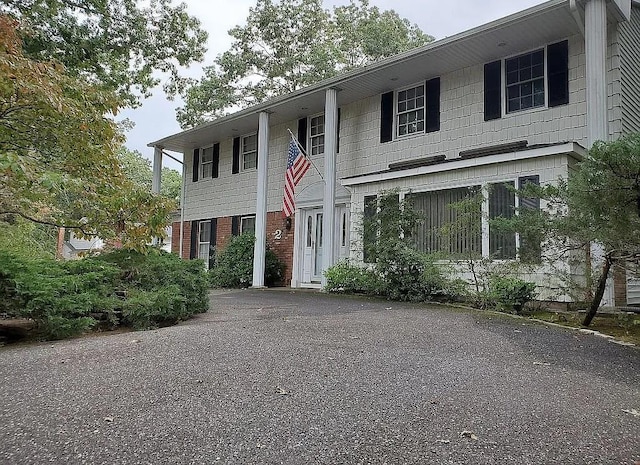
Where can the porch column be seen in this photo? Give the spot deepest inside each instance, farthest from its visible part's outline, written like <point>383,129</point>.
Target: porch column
<point>330,155</point>
<point>261,203</point>
<point>157,170</point>
<point>596,70</point>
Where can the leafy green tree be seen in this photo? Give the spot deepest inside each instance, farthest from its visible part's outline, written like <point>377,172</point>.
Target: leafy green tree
<point>116,44</point>
<point>598,204</point>
<point>139,170</point>
<point>58,164</point>
<point>289,44</point>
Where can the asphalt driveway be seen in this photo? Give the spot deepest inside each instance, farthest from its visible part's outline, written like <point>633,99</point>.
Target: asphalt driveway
<point>302,378</point>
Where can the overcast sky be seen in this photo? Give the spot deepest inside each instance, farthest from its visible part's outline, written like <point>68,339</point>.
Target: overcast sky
<point>156,117</point>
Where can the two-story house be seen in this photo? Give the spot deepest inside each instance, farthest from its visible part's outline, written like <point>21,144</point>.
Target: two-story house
<point>518,100</point>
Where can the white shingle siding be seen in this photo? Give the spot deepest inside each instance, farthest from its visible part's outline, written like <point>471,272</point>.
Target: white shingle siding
<point>462,127</point>
<point>629,33</point>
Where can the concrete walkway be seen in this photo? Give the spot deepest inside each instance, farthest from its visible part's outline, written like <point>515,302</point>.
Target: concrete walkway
<point>270,377</point>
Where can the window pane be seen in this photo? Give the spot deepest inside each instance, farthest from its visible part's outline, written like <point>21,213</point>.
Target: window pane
<point>205,231</point>
<point>410,111</point>
<point>207,155</point>
<point>502,203</point>
<point>248,224</point>
<point>452,230</point>
<point>525,79</point>
<point>250,143</point>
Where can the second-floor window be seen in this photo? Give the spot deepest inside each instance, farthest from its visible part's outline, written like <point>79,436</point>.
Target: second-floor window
<point>410,111</point>
<point>249,152</point>
<point>316,135</point>
<point>206,162</point>
<point>525,81</point>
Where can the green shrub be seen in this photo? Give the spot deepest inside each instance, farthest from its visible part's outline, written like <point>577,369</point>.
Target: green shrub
<point>155,270</point>
<point>149,309</point>
<point>234,265</point>
<point>121,287</point>
<point>346,278</point>
<point>511,294</point>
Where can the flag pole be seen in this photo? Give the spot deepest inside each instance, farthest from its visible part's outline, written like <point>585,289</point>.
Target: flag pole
<point>304,152</point>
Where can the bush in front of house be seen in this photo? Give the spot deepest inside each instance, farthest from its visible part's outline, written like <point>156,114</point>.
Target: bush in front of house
<point>233,267</point>
<point>124,288</point>
<point>347,278</point>
<point>511,294</point>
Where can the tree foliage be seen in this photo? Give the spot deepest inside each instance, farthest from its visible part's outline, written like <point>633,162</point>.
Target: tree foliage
<point>598,204</point>
<point>289,44</point>
<point>117,44</point>
<point>138,169</point>
<point>58,164</point>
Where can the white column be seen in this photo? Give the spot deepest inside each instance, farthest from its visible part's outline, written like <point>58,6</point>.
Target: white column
<point>596,72</point>
<point>330,155</point>
<point>261,203</point>
<point>157,170</point>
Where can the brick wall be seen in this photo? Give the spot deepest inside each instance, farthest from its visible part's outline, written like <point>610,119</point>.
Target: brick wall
<point>186,240</point>
<point>281,243</point>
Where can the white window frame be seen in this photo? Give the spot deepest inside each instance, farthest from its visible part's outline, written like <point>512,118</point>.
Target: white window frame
<point>316,138</point>
<point>202,243</point>
<point>397,113</point>
<point>244,220</point>
<point>504,86</point>
<point>244,154</point>
<point>202,165</point>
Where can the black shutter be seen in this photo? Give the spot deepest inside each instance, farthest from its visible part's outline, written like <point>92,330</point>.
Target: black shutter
<point>235,167</point>
<point>492,90</point>
<point>235,225</point>
<point>433,105</point>
<point>216,160</point>
<point>212,242</point>
<point>386,117</point>
<point>302,132</point>
<point>558,73</point>
<point>338,133</point>
<point>196,164</point>
<point>193,252</point>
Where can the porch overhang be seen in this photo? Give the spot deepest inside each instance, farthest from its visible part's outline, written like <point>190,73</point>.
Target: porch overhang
<point>571,149</point>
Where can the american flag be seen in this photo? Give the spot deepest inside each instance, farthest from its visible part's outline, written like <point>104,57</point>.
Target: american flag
<point>297,166</point>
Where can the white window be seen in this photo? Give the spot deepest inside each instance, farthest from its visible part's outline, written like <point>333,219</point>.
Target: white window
<point>249,152</point>
<point>456,230</point>
<point>248,224</point>
<point>204,240</point>
<point>206,162</point>
<point>524,78</point>
<point>316,135</point>
<point>410,111</point>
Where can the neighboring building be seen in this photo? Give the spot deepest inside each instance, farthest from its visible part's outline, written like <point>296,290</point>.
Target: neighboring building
<point>514,101</point>
<point>71,247</point>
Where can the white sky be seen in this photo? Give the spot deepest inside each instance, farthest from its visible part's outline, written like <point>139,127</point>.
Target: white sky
<point>440,18</point>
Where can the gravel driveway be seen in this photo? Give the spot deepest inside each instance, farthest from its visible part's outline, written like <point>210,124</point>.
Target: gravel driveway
<point>304,378</point>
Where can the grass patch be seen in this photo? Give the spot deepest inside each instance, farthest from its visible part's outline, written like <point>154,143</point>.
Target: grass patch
<point>623,326</point>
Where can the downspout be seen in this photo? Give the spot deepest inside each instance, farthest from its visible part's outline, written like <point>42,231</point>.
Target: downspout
<point>182,189</point>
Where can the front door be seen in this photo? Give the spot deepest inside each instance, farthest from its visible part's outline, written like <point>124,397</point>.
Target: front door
<point>312,256</point>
